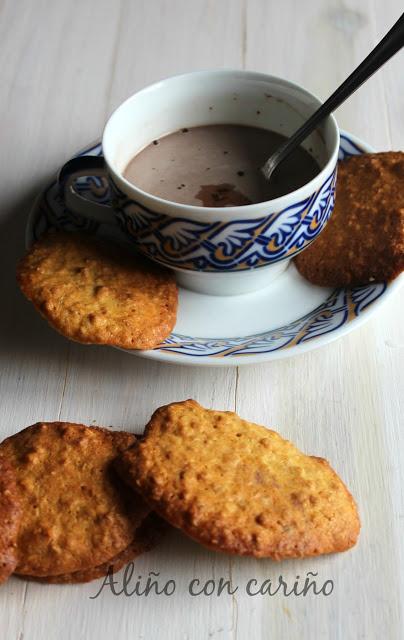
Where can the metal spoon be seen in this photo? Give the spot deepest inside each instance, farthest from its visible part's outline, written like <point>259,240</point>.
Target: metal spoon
<point>391,43</point>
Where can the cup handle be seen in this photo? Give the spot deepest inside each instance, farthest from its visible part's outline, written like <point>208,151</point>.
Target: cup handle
<point>73,169</point>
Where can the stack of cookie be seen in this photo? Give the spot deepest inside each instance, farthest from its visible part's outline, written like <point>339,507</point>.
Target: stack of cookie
<point>67,516</point>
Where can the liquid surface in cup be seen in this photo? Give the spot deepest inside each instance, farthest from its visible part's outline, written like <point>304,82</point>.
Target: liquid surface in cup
<point>218,166</point>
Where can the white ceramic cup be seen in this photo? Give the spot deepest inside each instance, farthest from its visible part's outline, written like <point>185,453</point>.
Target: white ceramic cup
<point>221,250</point>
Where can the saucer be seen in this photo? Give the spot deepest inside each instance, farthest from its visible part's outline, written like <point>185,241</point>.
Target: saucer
<point>288,317</point>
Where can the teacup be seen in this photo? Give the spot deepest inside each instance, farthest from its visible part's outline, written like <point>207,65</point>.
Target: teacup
<point>221,250</point>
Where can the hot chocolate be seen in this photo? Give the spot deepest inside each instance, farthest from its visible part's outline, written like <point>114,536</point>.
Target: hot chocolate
<point>218,166</point>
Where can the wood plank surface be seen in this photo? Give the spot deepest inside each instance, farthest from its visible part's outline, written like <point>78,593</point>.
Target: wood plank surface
<point>64,67</point>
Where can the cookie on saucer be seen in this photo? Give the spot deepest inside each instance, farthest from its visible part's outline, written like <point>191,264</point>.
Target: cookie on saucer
<point>10,516</point>
<point>238,487</point>
<point>364,240</point>
<point>76,513</point>
<point>99,293</point>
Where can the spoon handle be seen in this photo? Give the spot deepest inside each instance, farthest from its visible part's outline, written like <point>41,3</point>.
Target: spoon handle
<point>387,47</point>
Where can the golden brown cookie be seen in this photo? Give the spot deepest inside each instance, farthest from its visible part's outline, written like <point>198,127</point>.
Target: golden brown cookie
<point>364,240</point>
<point>10,516</point>
<point>76,512</point>
<point>146,537</point>
<point>238,487</point>
<point>99,293</point>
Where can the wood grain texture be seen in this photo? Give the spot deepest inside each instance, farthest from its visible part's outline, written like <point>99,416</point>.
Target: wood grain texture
<point>65,67</point>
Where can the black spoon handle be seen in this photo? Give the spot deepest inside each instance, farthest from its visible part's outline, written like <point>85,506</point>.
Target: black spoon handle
<point>391,43</point>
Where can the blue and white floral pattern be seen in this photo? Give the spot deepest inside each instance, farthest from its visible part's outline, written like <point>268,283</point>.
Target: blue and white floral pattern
<point>235,245</point>
<point>341,308</point>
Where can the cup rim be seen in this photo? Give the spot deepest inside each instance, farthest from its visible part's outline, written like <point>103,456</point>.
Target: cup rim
<point>247,208</point>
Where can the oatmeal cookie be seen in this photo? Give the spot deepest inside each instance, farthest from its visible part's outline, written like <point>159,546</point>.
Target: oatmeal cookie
<point>364,240</point>
<point>238,487</point>
<point>99,293</point>
<point>76,512</point>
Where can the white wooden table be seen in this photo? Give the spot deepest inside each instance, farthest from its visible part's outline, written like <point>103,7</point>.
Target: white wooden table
<point>64,67</point>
